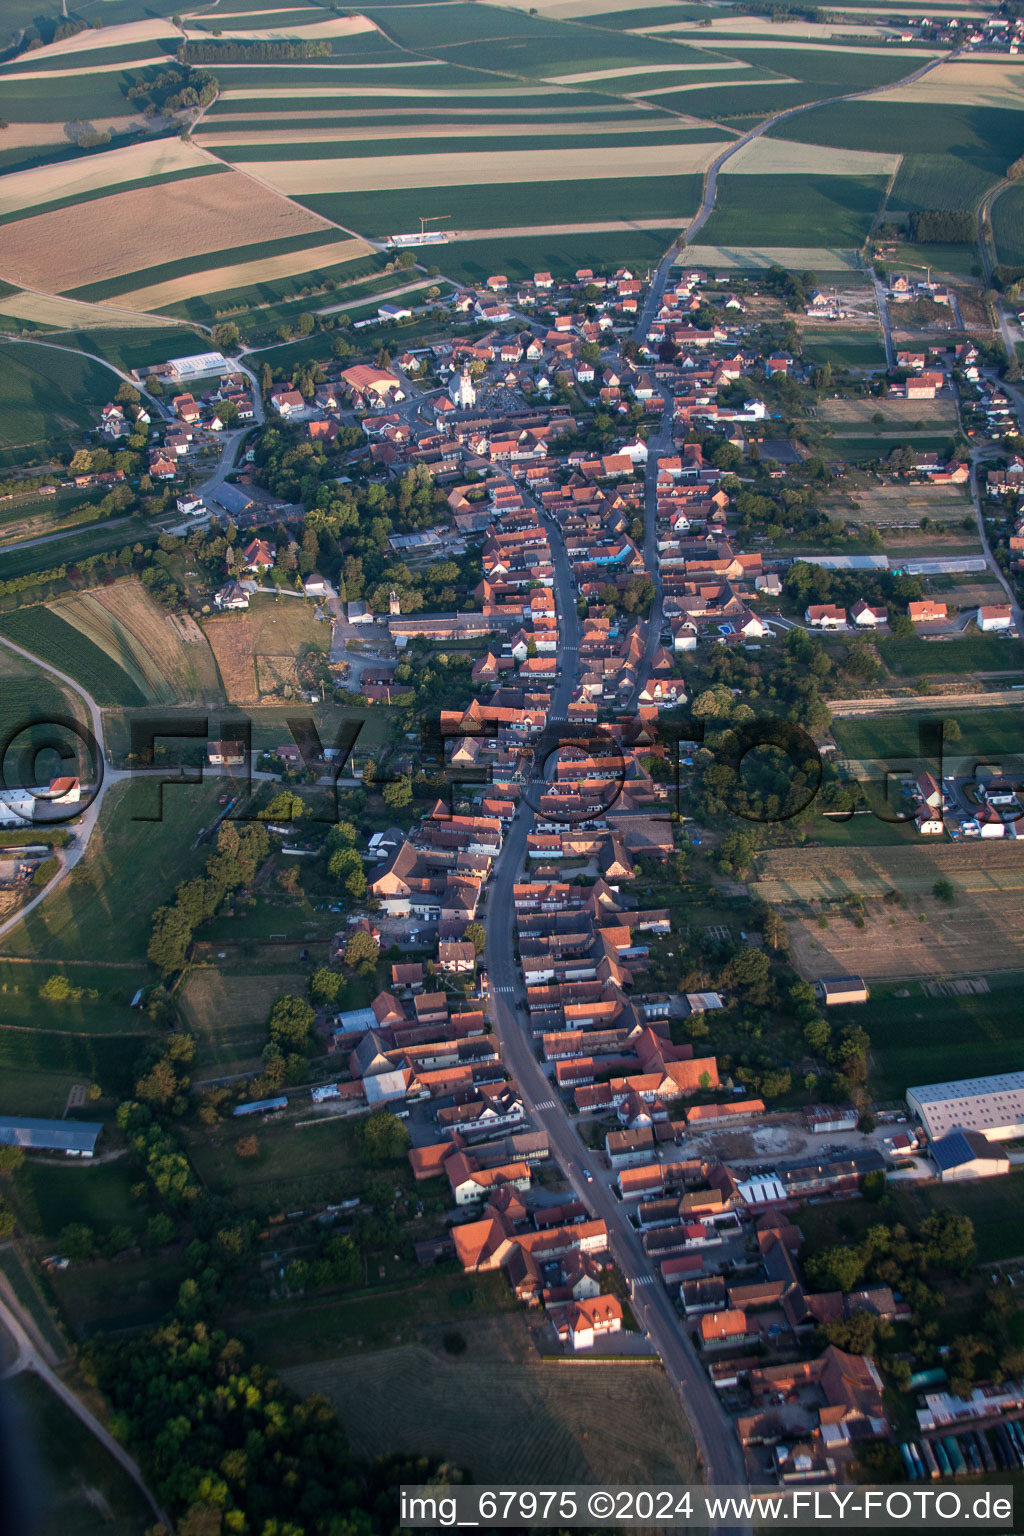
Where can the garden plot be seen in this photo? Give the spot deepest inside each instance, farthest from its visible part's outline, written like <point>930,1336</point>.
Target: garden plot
<point>220,279</point>
<point>304,178</point>
<point>258,652</point>
<point>773,157</point>
<point>849,416</point>
<point>111,236</point>
<point>892,505</point>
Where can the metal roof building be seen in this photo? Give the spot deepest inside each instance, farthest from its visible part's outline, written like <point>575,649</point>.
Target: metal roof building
<point>992,1105</point>
<point>76,1138</point>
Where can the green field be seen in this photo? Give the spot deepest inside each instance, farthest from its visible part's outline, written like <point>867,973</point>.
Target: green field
<point>926,181</point>
<point>793,210</point>
<point>78,544</point>
<point>38,1066</point>
<point>575,136</point>
<point>86,1492</point>
<point>985,733</point>
<point>29,698</point>
<point>50,1195</point>
<point>983,138</point>
<point>859,449</point>
<point>959,655</point>
<point>509,205</point>
<point>843,349</point>
<point>48,636</point>
<point>1008,225</point>
<point>108,1013</point>
<point>919,1039</point>
<point>45,395</point>
<point>129,349</point>
<point>133,866</point>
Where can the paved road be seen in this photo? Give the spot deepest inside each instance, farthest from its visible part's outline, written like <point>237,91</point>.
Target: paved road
<point>29,1358</point>
<point>159,406</point>
<point>987,259</point>
<point>720,1452</point>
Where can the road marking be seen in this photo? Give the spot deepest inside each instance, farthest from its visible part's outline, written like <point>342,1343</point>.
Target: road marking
<point>644,1280</point>
<point>545,1104</point>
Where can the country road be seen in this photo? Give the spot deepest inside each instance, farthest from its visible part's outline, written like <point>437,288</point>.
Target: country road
<point>720,1453</point>
<point>30,1358</point>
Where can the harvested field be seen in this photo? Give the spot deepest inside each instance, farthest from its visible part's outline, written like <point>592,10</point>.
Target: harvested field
<point>968,84</point>
<point>522,1423</point>
<point>773,157</point>
<point>796,257</point>
<point>219,279</point>
<point>72,314</point>
<point>750,26</point>
<point>852,415</point>
<point>980,866</point>
<point>167,661</point>
<point>336,26</point>
<point>70,178</point>
<point>310,177</point>
<point>896,943</point>
<point>257,651</point>
<point>904,506</point>
<point>129,33</point>
<point>31,135</point>
<point>72,246</point>
<point>638,69</point>
<point>530,230</point>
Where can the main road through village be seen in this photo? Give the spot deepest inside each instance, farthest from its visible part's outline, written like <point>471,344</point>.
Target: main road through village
<point>719,1448</point>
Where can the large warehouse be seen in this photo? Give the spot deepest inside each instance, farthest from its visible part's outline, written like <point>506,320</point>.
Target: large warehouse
<point>994,1106</point>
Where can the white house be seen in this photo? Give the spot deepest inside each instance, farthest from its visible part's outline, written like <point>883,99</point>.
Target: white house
<point>636,450</point>
<point>825,616</point>
<point>867,617</point>
<point>999,616</point>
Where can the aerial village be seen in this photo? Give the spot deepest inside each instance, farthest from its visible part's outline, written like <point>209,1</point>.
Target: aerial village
<point>601,574</point>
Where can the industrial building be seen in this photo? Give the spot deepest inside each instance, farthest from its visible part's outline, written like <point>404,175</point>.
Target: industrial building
<point>993,1106</point>
<point>75,1138</point>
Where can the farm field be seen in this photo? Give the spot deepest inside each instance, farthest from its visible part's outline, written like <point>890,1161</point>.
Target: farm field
<point>918,1037</point>
<point>985,138</point>
<point>794,210</point>
<point>312,265</point>
<point>109,1012</point>
<point>166,655</point>
<point>153,162</point>
<point>843,348</point>
<point>257,651</point>
<point>1008,225</point>
<point>133,866</point>
<point>50,1195</point>
<point>39,1066</point>
<point>779,157</point>
<point>979,866</point>
<point>954,656</point>
<point>30,697</point>
<point>68,248</point>
<point>44,394</point>
<point>48,636</point>
<point>518,204</point>
<point>889,505</point>
<point>77,544</point>
<point>819,258</point>
<point>473,260</point>
<point>996,733</point>
<point>848,416</point>
<point>975,83</point>
<point>927,181</point>
<point>521,1422</point>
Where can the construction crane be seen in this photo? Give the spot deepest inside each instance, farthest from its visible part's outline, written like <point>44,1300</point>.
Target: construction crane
<point>432,218</point>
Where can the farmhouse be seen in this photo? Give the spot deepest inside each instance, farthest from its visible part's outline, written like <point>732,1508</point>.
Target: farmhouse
<point>993,1106</point>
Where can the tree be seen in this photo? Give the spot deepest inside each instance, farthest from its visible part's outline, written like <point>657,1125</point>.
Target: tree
<point>382,1136</point>
<point>291,1019</point>
<point>11,1159</point>
<point>951,730</point>
<point>476,935</point>
<point>225,335</point>
<point>76,1242</point>
<point>324,985</point>
<point>943,890</point>
<point>398,794</point>
<point>361,949</point>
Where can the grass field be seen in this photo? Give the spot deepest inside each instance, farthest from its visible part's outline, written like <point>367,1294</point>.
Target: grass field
<point>843,349</point>
<point>916,1038</point>
<point>794,210</point>
<point>86,1492</point>
<point>128,349</point>
<point>227,1011</point>
<point>853,415</point>
<point>927,181</point>
<point>134,866</point>
<point>108,1013</point>
<point>29,698</point>
<point>518,204</point>
<point>519,1422</point>
<point>954,656</point>
<point>986,733</point>
<point>45,395</point>
<point>38,1066</point>
<point>257,651</point>
<point>50,1195</point>
<point>985,138</point>
<point>46,635</point>
<point>899,505</point>
<point>1008,225</point>
<point>166,656</point>
<point>77,544</point>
